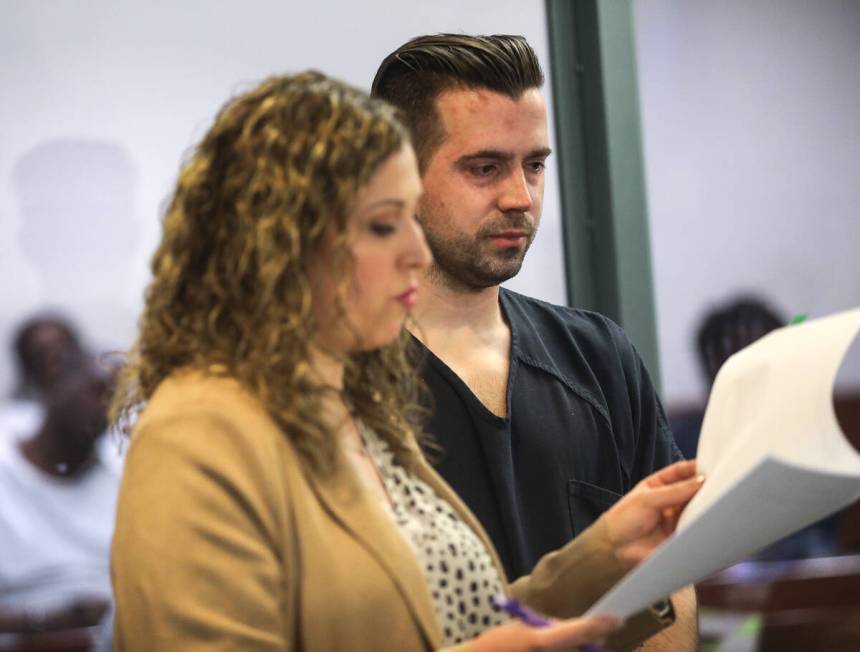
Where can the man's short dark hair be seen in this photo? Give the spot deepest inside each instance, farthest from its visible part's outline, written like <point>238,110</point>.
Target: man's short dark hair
<point>416,73</point>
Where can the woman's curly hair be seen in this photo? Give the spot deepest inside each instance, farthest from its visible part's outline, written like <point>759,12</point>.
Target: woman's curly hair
<point>281,166</point>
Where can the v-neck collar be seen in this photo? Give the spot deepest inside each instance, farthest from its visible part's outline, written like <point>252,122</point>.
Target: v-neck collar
<point>480,409</point>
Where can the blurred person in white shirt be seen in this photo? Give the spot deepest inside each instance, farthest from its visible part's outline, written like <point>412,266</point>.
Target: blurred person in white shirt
<point>57,504</point>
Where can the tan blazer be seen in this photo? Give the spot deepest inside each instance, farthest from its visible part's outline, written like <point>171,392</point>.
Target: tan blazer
<point>224,541</point>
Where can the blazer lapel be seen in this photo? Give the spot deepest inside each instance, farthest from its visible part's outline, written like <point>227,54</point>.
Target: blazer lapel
<point>367,521</point>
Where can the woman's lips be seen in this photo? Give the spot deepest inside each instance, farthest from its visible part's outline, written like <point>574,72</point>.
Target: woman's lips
<point>409,298</point>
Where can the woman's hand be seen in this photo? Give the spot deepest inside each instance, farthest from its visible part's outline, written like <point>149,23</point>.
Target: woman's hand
<point>648,514</point>
<point>560,635</point>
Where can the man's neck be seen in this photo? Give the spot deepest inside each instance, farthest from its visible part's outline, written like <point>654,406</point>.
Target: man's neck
<point>442,308</point>
<point>47,452</point>
<point>468,332</point>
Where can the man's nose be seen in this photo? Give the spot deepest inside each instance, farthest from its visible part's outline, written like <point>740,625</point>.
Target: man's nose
<point>515,193</point>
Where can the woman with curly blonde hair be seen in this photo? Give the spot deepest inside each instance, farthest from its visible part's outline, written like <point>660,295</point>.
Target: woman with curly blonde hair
<point>275,495</point>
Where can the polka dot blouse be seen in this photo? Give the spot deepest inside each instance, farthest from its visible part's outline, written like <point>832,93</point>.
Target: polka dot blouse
<point>457,565</point>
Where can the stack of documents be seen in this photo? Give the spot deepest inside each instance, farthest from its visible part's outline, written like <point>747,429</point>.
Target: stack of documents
<point>774,458</point>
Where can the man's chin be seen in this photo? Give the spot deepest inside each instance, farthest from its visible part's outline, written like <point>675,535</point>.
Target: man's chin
<point>476,268</point>
<point>486,277</point>
<point>502,266</point>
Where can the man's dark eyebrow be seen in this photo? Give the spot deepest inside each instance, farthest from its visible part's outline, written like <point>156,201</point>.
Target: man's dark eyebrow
<point>501,155</point>
<point>541,152</point>
<point>492,154</point>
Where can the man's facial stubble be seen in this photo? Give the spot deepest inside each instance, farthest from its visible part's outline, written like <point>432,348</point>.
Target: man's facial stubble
<point>473,262</point>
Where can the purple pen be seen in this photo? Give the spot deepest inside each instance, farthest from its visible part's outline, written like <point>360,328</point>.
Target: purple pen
<point>529,617</point>
<point>518,611</point>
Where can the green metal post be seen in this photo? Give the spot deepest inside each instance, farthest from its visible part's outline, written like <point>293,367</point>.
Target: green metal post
<point>605,218</point>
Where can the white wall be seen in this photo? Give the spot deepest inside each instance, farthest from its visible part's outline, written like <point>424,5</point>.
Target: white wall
<point>751,122</point>
<point>101,98</point>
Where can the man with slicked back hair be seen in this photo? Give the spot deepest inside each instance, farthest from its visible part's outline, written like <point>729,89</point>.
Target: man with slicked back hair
<point>545,414</point>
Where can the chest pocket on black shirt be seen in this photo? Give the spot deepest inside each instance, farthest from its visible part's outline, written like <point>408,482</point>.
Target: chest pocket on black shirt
<point>586,502</point>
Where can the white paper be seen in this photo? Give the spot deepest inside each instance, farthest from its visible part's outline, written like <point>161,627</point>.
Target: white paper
<point>774,458</point>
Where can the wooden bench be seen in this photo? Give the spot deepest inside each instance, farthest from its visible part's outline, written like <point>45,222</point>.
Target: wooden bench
<point>806,605</point>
